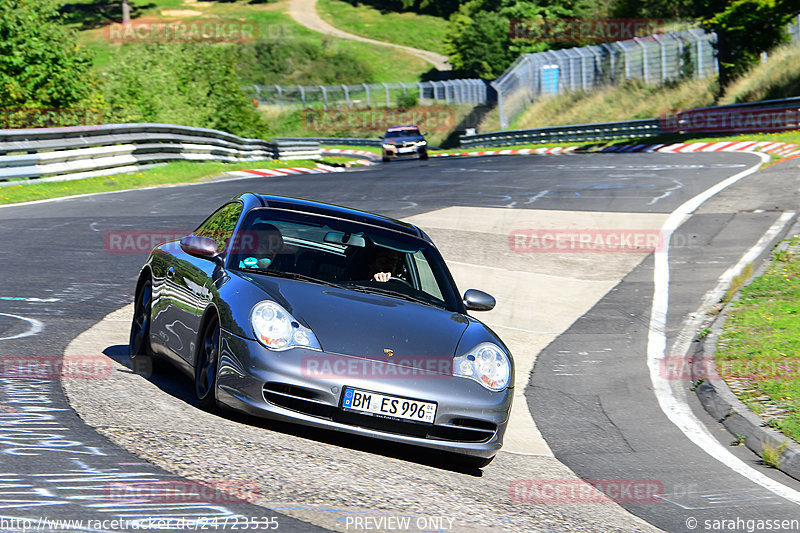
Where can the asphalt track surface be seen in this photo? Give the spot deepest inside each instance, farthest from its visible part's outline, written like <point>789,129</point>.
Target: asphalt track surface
<point>599,417</point>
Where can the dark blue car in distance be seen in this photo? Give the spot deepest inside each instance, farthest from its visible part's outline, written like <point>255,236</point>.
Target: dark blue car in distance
<point>404,141</point>
<point>330,317</point>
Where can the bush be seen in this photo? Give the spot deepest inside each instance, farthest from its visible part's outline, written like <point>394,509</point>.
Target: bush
<point>409,99</point>
<point>188,84</point>
<point>41,64</point>
<point>290,60</point>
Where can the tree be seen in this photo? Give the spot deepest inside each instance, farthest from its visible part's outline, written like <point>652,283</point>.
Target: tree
<point>41,64</point>
<point>479,38</point>
<point>744,29</point>
<point>479,44</point>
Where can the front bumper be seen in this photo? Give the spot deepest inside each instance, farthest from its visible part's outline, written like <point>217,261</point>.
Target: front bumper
<point>395,152</point>
<point>470,419</point>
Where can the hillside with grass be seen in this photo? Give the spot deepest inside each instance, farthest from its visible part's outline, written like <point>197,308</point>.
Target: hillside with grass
<point>409,29</point>
<point>778,77</point>
<point>282,52</point>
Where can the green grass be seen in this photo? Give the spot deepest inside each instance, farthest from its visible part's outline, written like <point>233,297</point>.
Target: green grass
<point>760,342</point>
<point>777,78</point>
<point>409,29</point>
<point>272,22</point>
<point>169,174</point>
<point>437,121</point>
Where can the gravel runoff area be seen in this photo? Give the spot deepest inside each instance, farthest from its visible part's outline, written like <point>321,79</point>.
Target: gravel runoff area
<point>317,481</point>
<point>321,476</point>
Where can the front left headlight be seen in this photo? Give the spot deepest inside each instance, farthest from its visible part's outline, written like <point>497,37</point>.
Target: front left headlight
<point>487,364</point>
<point>277,329</point>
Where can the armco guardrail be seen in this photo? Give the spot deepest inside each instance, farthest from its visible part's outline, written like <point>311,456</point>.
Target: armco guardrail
<point>84,151</point>
<point>763,115</point>
<point>607,131</point>
<point>334,141</point>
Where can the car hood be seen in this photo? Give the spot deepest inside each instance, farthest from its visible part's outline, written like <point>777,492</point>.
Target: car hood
<point>401,140</point>
<point>364,325</point>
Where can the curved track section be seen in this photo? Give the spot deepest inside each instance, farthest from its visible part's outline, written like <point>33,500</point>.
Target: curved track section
<point>586,312</point>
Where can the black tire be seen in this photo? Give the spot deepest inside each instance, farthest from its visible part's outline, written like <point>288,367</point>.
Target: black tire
<point>423,155</point>
<point>139,351</point>
<point>205,374</point>
<point>385,159</point>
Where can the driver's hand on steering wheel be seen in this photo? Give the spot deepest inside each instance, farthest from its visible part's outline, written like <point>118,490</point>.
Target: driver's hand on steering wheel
<point>382,276</point>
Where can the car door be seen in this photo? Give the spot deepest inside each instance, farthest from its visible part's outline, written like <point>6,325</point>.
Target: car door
<point>189,283</point>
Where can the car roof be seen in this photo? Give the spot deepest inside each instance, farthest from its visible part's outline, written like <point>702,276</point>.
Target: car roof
<point>345,213</point>
<point>403,128</point>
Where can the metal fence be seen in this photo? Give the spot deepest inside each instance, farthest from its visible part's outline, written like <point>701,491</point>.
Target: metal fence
<point>449,92</point>
<point>652,59</point>
<point>51,154</point>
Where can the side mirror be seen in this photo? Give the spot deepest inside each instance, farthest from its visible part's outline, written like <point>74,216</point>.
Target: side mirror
<point>475,300</point>
<point>198,246</point>
<point>424,133</point>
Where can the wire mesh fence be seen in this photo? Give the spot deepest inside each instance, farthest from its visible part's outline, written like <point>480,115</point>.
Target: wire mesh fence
<point>652,59</point>
<point>449,92</point>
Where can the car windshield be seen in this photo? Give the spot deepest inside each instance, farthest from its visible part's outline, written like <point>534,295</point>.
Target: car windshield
<point>348,254</point>
<point>403,133</point>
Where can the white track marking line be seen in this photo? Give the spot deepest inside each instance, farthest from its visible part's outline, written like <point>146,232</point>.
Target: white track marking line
<point>680,413</point>
<point>35,329</point>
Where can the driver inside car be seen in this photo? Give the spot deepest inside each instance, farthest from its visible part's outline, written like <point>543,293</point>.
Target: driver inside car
<point>384,263</point>
<point>267,241</point>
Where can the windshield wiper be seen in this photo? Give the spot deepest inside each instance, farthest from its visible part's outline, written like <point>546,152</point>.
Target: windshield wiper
<point>290,275</point>
<point>389,292</point>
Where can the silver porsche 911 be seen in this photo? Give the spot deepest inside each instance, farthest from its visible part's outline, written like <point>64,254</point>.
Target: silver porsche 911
<point>330,317</point>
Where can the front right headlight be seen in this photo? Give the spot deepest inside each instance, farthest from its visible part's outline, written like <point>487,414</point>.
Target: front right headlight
<point>277,329</point>
<point>487,364</point>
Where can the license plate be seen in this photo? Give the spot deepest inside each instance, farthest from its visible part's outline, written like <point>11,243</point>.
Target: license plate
<point>405,150</point>
<point>388,406</point>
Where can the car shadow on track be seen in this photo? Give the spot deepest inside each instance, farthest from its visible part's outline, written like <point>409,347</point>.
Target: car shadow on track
<point>171,381</point>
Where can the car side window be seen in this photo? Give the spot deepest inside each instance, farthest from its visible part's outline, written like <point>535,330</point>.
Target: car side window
<point>221,224</point>
<point>427,279</point>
